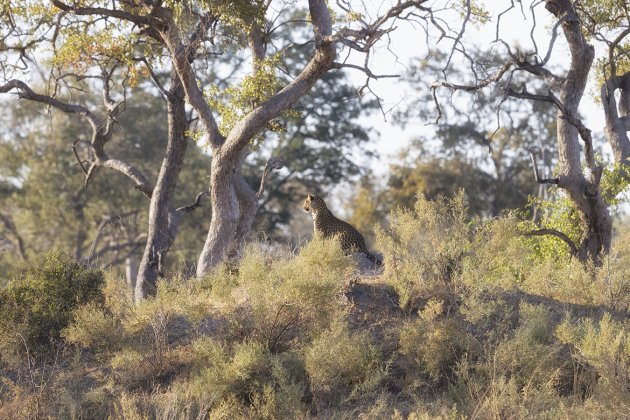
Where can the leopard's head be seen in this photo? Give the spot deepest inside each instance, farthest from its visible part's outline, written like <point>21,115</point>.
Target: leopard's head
<point>314,203</point>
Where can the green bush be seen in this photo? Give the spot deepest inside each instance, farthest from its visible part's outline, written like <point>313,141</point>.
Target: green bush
<point>36,306</point>
<point>423,249</point>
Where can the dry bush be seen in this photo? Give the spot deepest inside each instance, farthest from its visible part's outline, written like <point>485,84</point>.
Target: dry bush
<point>423,249</point>
<point>342,366</point>
<point>491,328</point>
<point>279,302</point>
<point>604,346</point>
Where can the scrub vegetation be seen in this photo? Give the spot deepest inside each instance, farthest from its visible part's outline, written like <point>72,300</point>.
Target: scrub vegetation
<point>467,319</point>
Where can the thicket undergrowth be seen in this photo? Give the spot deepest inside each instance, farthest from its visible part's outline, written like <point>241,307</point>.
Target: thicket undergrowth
<point>467,319</point>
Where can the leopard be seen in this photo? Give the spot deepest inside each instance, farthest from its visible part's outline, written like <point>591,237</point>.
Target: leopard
<point>326,225</point>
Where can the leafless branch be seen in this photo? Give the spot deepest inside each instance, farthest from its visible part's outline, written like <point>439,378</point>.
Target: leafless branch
<point>145,20</point>
<point>130,245</point>
<point>74,149</point>
<point>477,86</point>
<point>364,69</point>
<point>272,164</point>
<point>459,36</point>
<point>193,206</point>
<point>537,174</point>
<point>101,133</point>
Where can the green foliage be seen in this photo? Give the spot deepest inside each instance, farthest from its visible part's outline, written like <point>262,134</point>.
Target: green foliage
<point>614,184</point>
<point>36,306</point>
<point>603,13</point>
<point>236,100</point>
<point>558,213</point>
<point>423,248</point>
<point>478,13</point>
<point>52,209</point>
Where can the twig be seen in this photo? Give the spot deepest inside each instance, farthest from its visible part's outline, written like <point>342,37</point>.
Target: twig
<point>272,163</point>
<point>193,206</point>
<point>74,149</point>
<point>537,174</point>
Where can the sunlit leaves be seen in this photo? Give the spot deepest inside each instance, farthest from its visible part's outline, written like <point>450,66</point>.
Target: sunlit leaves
<point>604,14</point>
<point>478,13</point>
<point>80,50</point>
<point>238,99</point>
<point>239,13</point>
<point>31,11</point>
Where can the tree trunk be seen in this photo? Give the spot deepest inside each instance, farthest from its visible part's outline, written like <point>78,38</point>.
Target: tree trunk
<point>617,120</point>
<point>131,272</point>
<point>248,206</point>
<point>585,193</point>
<point>160,237</point>
<point>225,213</point>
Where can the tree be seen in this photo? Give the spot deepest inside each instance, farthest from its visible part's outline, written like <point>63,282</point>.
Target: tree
<point>99,50</point>
<point>579,22</point>
<point>105,224</point>
<point>123,36</point>
<point>471,146</point>
<point>320,147</point>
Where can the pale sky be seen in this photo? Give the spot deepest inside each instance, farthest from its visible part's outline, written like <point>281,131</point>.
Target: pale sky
<point>409,43</point>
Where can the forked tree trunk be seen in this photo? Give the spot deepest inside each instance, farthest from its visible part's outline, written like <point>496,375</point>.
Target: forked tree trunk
<point>233,201</point>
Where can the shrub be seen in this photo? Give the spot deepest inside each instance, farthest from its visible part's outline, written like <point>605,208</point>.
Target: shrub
<point>606,348</point>
<point>246,379</point>
<point>340,364</point>
<point>423,249</point>
<point>432,343</point>
<point>278,302</point>
<point>35,307</point>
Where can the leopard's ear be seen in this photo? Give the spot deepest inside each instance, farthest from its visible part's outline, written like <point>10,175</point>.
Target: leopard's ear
<point>311,196</point>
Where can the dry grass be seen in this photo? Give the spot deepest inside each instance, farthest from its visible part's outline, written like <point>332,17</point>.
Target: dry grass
<point>466,320</point>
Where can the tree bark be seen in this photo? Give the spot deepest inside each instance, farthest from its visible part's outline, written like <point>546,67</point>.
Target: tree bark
<point>585,193</point>
<point>225,213</point>
<point>131,272</point>
<point>160,237</point>
<point>248,206</point>
<point>617,120</point>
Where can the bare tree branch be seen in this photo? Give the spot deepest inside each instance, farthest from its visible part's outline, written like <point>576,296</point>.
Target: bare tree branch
<point>18,241</point>
<point>553,232</point>
<point>364,69</point>
<point>145,20</point>
<point>272,164</point>
<point>193,206</point>
<point>537,174</point>
<point>320,63</point>
<point>101,133</point>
